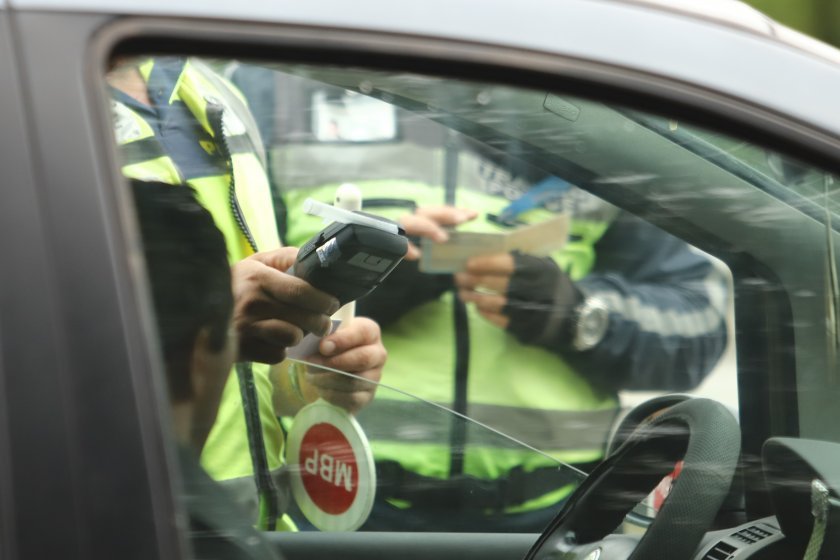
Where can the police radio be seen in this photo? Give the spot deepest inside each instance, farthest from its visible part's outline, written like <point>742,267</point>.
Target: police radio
<point>350,257</point>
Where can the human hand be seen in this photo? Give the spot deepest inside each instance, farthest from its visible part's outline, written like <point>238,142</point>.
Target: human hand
<point>484,283</point>
<point>356,347</point>
<point>530,297</point>
<point>273,310</point>
<point>430,222</point>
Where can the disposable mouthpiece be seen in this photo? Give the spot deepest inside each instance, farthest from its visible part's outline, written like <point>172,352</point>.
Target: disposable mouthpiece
<point>349,197</point>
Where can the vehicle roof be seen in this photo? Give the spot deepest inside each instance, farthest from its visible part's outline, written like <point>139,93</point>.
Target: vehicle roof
<point>730,12</point>
<point>722,45</point>
<point>727,12</point>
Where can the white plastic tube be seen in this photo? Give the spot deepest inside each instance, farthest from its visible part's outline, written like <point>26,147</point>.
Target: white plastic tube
<point>348,198</point>
<point>334,214</point>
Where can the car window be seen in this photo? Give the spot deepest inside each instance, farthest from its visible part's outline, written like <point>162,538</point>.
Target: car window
<point>547,288</point>
<point>502,168</point>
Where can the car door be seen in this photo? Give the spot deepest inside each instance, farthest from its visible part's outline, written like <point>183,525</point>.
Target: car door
<point>113,432</point>
<point>68,475</point>
<point>39,425</point>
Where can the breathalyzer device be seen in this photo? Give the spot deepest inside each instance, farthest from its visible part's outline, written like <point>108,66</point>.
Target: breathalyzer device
<point>352,255</point>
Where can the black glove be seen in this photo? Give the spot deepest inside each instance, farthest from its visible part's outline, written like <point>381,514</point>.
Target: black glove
<point>541,300</point>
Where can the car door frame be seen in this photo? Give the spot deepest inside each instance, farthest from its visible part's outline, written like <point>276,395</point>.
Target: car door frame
<point>89,453</point>
<point>766,354</point>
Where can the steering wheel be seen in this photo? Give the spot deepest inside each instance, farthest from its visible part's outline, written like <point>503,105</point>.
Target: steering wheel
<point>701,432</point>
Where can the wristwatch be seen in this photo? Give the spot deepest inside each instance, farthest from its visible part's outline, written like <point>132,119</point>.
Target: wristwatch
<point>590,321</point>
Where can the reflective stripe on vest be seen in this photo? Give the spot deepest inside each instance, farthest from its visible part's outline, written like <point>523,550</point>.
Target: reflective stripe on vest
<point>555,430</point>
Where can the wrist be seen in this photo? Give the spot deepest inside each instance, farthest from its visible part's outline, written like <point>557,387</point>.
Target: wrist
<point>588,324</point>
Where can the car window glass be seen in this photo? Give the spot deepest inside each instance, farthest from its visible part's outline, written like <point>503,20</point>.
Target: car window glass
<point>430,153</point>
<point>540,299</point>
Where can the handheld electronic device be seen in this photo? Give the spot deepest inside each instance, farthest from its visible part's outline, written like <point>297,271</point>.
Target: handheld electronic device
<point>352,255</point>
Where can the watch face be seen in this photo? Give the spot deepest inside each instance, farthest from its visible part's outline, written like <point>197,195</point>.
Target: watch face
<point>592,322</point>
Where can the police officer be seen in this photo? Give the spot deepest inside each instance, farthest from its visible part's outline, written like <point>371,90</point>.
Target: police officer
<point>176,121</point>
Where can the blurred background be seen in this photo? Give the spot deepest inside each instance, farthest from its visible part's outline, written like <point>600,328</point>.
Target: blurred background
<point>818,18</point>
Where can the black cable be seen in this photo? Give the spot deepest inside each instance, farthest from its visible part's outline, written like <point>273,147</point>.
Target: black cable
<point>266,491</point>
<point>262,475</point>
<point>215,115</point>
<point>458,434</point>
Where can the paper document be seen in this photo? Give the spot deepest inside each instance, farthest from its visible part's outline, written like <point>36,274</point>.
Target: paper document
<point>539,239</point>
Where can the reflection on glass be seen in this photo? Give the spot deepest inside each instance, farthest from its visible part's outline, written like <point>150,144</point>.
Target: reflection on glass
<point>351,117</point>
<point>530,303</point>
<point>543,311</point>
<point>393,424</point>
